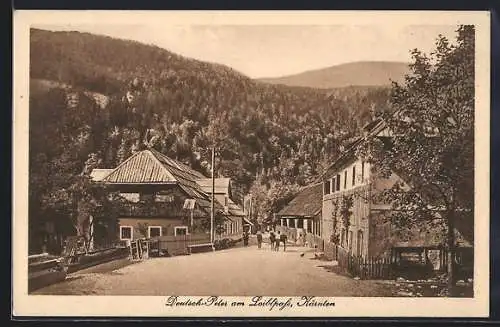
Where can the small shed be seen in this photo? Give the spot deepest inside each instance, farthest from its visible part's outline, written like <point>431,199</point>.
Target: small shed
<point>302,215</point>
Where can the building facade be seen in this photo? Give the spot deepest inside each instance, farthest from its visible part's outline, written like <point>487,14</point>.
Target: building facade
<point>236,221</point>
<point>355,220</point>
<point>348,190</point>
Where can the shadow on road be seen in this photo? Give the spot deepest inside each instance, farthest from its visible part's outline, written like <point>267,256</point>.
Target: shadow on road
<point>334,269</point>
<point>108,267</point>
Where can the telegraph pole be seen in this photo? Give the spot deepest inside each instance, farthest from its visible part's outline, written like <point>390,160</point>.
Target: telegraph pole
<point>213,198</point>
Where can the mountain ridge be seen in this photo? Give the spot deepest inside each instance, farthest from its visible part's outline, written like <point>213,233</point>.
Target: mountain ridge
<point>356,73</point>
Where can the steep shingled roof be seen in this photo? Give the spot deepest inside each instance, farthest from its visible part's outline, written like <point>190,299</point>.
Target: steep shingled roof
<point>307,203</point>
<point>152,167</point>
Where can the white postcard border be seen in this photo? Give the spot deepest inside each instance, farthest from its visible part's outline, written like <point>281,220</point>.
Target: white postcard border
<point>129,306</point>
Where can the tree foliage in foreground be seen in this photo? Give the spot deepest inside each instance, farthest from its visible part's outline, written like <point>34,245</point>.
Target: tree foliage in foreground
<point>432,143</point>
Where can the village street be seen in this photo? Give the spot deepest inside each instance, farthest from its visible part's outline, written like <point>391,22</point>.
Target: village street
<point>244,271</point>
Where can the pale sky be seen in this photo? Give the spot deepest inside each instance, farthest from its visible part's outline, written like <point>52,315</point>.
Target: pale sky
<point>277,50</point>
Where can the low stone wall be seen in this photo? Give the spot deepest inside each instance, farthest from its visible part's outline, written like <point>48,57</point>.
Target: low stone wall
<point>44,270</point>
<point>98,257</point>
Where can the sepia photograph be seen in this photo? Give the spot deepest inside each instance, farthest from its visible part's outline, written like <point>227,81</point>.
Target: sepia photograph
<point>251,163</point>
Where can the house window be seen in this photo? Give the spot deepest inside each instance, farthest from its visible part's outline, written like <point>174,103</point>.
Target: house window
<point>362,171</point>
<point>164,198</point>
<point>126,232</point>
<point>353,175</point>
<point>345,179</point>
<point>338,182</point>
<point>342,237</point>
<point>131,197</point>
<point>334,184</point>
<point>292,223</point>
<point>180,230</point>
<point>285,222</point>
<point>154,231</point>
<point>327,187</point>
<point>309,226</point>
<point>300,223</point>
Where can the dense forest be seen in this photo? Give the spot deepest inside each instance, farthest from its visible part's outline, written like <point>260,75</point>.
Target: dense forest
<point>271,139</point>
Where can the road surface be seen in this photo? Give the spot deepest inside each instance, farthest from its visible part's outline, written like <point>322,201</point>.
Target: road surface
<point>245,271</point>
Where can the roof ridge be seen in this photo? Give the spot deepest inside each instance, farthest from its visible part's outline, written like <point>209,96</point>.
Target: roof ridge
<point>150,153</point>
<point>178,165</point>
<point>120,165</point>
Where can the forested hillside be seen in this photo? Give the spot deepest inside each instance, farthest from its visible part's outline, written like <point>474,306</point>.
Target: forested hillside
<point>95,100</point>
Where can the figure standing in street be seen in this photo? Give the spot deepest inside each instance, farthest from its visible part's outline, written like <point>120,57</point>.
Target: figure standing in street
<point>259,239</point>
<point>272,240</point>
<point>245,238</point>
<point>283,238</point>
<point>278,240</point>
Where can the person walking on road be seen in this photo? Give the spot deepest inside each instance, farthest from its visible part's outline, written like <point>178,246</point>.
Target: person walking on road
<point>283,238</point>
<point>278,240</point>
<point>259,239</point>
<point>272,240</point>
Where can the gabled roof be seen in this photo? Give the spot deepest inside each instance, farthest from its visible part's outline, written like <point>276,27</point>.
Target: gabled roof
<point>308,202</point>
<point>221,185</point>
<point>151,167</point>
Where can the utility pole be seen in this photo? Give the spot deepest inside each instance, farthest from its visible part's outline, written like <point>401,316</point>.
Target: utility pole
<point>213,198</point>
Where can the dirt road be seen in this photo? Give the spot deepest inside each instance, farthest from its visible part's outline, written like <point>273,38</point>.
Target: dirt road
<point>233,272</point>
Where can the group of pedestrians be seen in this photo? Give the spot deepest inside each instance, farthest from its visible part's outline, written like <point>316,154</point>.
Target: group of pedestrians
<point>275,240</point>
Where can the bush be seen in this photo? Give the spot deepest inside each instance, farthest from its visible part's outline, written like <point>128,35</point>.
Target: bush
<point>225,243</point>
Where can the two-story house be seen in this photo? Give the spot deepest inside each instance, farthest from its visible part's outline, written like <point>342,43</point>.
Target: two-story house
<point>166,198</point>
<point>353,219</point>
<point>224,194</point>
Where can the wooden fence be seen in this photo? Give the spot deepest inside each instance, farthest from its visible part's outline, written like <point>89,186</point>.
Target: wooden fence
<point>363,267</point>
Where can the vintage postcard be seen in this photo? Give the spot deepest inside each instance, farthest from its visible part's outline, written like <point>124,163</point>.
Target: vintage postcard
<point>248,164</point>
